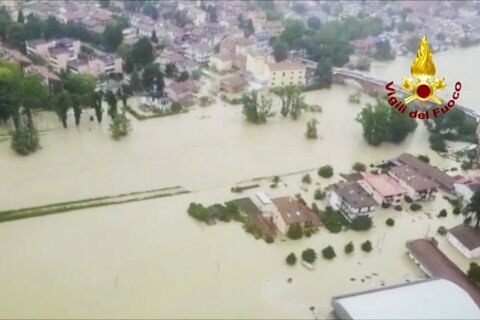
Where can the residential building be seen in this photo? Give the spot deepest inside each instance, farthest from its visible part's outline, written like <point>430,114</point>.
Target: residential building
<point>426,299</point>
<point>418,186</point>
<point>383,189</point>
<point>14,56</point>
<point>445,181</point>
<point>465,239</point>
<point>182,92</point>
<point>157,101</point>
<point>221,62</point>
<point>290,211</point>
<point>233,83</point>
<point>435,264</point>
<point>39,47</point>
<point>199,52</point>
<point>98,65</point>
<point>49,79</point>
<point>352,200</point>
<point>466,188</point>
<point>256,63</point>
<point>129,36</point>
<point>285,73</point>
<point>272,28</point>
<point>258,20</point>
<point>59,58</point>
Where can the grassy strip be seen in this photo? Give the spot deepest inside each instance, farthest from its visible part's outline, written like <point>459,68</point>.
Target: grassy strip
<point>141,117</point>
<point>279,175</point>
<point>10,215</point>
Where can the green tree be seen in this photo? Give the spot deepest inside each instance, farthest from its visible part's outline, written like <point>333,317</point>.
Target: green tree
<point>359,167</point>
<point>120,126</point>
<point>53,28</point>
<point>309,255</point>
<point>150,10</point>
<point>142,52</point>
<point>170,70</point>
<point>256,109</point>
<point>280,51</point>
<point>104,3</point>
<point>329,253</point>
<point>325,171</point>
<point>112,102</point>
<point>154,38</point>
<point>383,50</point>
<point>25,140</point>
<point>61,104</point>
<point>112,36</point>
<point>362,223</point>
<point>293,33</point>
<point>20,18</point>
<point>314,23</point>
<point>312,129</point>
<point>291,259</point>
<point>349,248</point>
<point>295,232</point>
<point>390,222</point>
<point>474,207</point>
<point>474,272</point>
<point>81,88</point>
<point>367,246</point>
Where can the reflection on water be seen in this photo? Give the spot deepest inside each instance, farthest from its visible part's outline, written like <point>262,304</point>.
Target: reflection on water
<point>149,259</point>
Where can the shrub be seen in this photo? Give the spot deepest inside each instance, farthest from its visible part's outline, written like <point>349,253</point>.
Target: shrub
<point>358,166</point>
<point>328,253</point>
<point>120,126</point>
<point>295,232</point>
<point>415,207</point>
<point>349,248</point>
<point>199,212</point>
<point>437,143</point>
<point>291,259</point>
<point>466,165</point>
<point>457,210</point>
<point>398,208</point>
<point>442,213</point>
<point>424,158</point>
<point>442,230</point>
<point>307,179</point>
<point>361,223</point>
<point>408,199</point>
<point>25,140</point>
<point>319,194</point>
<point>333,219</point>
<point>176,107</point>
<point>325,171</point>
<point>367,246</point>
<point>276,179</point>
<point>309,255</point>
<point>390,222</point>
<point>269,239</point>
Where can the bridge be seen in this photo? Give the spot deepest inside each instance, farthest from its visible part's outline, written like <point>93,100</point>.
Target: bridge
<point>376,86</point>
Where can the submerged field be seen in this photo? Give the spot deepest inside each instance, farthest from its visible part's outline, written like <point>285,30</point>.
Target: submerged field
<point>149,259</point>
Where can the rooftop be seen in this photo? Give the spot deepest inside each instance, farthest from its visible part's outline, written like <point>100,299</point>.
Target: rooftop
<point>383,184</point>
<point>436,263</point>
<point>443,179</point>
<point>293,211</point>
<point>467,236</point>
<point>286,65</point>
<point>427,299</point>
<point>414,178</point>
<point>354,195</point>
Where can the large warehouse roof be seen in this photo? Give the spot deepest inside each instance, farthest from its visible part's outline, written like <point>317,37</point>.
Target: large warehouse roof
<point>430,299</point>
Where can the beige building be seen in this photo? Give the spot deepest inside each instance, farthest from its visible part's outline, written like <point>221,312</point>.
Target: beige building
<point>285,73</point>
<point>97,66</point>
<point>256,62</point>
<point>221,62</point>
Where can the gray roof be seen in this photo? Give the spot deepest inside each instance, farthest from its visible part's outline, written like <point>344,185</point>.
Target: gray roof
<point>413,178</point>
<point>430,299</point>
<point>467,236</point>
<point>354,194</point>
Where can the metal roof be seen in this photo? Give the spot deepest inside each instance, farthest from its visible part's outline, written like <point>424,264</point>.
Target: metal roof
<point>430,299</point>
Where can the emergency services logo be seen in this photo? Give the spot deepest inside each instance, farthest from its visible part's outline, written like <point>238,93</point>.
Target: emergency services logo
<point>422,86</point>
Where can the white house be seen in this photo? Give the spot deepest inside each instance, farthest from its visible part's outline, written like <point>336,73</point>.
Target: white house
<point>418,186</point>
<point>383,189</point>
<point>466,188</point>
<point>466,240</point>
<point>199,52</point>
<point>158,101</point>
<point>352,200</point>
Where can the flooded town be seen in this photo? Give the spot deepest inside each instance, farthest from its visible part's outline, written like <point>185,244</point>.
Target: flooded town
<point>238,160</point>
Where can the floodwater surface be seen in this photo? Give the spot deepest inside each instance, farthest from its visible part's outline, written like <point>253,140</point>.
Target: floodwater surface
<point>150,259</point>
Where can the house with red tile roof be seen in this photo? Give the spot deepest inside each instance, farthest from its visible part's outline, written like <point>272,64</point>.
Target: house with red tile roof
<point>385,190</point>
<point>290,211</point>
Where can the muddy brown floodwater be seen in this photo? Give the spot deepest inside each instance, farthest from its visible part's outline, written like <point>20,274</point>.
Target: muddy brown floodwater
<point>150,259</point>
